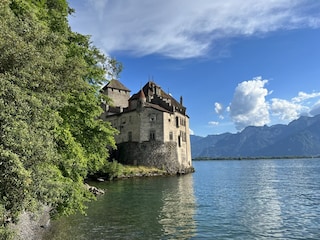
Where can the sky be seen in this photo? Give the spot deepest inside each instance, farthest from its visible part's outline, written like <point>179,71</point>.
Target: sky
<point>236,63</point>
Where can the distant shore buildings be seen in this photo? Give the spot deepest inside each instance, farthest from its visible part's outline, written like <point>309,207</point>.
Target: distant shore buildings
<point>153,127</point>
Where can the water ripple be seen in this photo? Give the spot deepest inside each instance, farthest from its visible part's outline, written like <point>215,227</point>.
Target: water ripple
<point>263,199</point>
<point>272,199</point>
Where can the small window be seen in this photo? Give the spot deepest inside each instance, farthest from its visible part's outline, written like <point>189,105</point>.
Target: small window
<point>171,136</point>
<point>152,136</point>
<point>182,122</point>
<point>177,122</point>
<point>153,118</point>
<point>183,136</point>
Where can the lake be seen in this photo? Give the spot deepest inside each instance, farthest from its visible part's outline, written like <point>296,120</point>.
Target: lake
<point>229,199</point>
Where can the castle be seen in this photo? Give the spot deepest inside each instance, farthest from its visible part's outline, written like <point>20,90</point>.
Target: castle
<point>153,127</point>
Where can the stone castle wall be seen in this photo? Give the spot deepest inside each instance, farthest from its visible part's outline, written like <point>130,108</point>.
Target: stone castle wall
<point>153,154</point>
<point>119,97</point>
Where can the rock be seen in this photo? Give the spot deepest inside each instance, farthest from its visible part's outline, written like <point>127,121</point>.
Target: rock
<point>32,226</point>
<point>96,191</point>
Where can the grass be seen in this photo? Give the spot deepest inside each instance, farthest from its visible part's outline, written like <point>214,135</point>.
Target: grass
<point>117,170</point>
<point>141,170</point>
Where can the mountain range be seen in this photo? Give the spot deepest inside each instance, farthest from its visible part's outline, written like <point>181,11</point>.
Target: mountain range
<point>299,138</point>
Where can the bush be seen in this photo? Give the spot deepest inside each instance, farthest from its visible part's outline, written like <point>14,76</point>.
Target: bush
<point>112,169</point>
<point>6,234</point>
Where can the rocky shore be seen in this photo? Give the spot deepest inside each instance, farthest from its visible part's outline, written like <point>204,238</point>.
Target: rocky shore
<point>34,226</point>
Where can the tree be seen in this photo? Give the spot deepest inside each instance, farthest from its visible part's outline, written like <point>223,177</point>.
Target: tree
<point>50,133</point>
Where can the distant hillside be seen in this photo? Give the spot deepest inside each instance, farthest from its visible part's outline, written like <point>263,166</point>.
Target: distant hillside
<point>301,137</point>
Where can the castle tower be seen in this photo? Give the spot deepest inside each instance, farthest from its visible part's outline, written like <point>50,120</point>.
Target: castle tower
<point>119,94</point>
<point>142,99</point>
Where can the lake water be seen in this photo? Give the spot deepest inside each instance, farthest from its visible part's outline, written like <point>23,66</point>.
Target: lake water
<point>247,199</point>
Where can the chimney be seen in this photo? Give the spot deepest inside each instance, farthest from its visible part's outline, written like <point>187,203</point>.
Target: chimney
<point>181,100</point>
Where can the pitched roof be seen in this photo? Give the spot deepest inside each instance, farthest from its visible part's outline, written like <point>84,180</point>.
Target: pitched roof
<point>157,107</point>
<point>149,90</point>
<point>116,84</point>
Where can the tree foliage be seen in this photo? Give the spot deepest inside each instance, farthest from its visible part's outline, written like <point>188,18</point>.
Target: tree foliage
<point>50,133</point>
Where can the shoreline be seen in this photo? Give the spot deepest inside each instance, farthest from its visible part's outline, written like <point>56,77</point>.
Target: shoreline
<point>253,158</point>
<point>34,226</point>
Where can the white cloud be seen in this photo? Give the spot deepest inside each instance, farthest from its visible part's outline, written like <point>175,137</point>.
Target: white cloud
<point>249,106</point>
<point>303,104</point>
<point>98,6</point>
<point>285,109</point>
<point>213,123</point>
<point>315,109</point>
<point>302,96</point>
<point>218,108</point>
<point>184,29</point>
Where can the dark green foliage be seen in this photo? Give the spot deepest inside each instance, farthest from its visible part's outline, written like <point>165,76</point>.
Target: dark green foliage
<point>50,133</point>
<point>5,233</point>
<point>112,169</point>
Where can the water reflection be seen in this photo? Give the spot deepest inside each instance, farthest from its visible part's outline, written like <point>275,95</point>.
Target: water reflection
<point>264,199</point>
<point>176,216</point>
<point>261,210</point>
<point>148,208</point>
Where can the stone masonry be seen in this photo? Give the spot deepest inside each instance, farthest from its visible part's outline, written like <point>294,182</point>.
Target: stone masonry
<point>153,127</point>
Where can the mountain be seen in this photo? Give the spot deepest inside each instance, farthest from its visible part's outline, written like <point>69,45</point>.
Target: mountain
<point>300,137</point>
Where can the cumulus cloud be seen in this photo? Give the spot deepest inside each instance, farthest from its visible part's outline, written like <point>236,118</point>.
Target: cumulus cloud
<point>286,110</point>
<point>302,104</point>
<point>249,107</point>
<point>184,29</point>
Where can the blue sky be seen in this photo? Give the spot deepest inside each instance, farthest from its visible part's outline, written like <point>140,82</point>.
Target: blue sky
<point>236,63</point>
